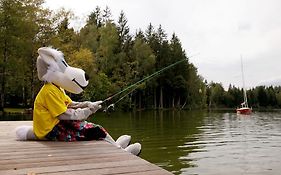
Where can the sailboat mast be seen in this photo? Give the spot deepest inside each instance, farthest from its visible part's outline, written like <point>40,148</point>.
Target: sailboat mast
<point>244,90</point>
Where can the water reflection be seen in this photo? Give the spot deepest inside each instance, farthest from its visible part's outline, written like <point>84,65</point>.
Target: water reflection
<point>161,134</point>
<point>234,144</point>
<point>185,142</point>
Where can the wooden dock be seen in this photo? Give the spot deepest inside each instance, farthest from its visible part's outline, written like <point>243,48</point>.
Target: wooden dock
<point>66,158</point>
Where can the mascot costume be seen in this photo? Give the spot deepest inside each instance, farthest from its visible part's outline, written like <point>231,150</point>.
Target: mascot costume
<point>55,116</point>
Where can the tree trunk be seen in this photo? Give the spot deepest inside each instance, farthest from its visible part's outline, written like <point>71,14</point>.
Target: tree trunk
<point>135,102</point>
<point>173,102</point>
<point>161,99</point>
<point>130,101</point>
<point>3,74</point>
<point>140,100</point>
<point>23,96</point>
<point>155,100</point>
<point>210,104</point>
<point>179,101</point>
<point>33,70</point>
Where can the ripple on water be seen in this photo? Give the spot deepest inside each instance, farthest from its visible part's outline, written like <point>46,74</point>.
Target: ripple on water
<point>235,146</point>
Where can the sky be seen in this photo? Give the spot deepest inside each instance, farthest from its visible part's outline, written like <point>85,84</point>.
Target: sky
<point>221,31</point>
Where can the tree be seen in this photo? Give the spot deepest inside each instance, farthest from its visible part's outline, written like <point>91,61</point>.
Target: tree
<point>112,57</point>
<point>65,37</point>
<point>262,97</point>
<point>124,33</point>
<point>270,93</point>
<point>36,27</point>
<point>95,18</point>
<point>143,65</point>
<point>9,16</point>
<point>106,16</point>
<point>278,99</point>
<point>107,48</point>
<point>20,25</point>
<point>90,37</point>
<point>179,75</point>
<point>216,95</point>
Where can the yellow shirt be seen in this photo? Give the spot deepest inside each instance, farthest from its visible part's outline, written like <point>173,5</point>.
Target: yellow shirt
<point>50,102</point>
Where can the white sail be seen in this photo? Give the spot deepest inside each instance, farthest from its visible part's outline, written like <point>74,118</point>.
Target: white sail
<point>244,109</point>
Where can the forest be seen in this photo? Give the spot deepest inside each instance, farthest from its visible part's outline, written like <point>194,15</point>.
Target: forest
<point>113,56</point>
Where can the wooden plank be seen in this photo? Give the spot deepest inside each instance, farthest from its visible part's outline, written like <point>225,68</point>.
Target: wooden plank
<point>46,157</point>
<point>52,161</point>
<point>77,167</point>
<point>110,170</point>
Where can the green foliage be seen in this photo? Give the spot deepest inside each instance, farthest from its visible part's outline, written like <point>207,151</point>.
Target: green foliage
<point>99,88</point>
<point>84,59</point>
<point>112,57</point>
<point>20,32</point>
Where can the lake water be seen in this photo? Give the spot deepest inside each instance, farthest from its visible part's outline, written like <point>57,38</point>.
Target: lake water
<point>185,142</point>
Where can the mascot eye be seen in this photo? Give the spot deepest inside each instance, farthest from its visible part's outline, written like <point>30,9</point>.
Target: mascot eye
<point>87,77</point>
<point>64,63</point>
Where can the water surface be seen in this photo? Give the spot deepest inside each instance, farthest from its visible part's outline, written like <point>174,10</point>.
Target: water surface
<point>202,143</point>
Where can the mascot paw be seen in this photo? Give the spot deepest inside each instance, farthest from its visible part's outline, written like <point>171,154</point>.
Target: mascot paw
<point>134,149</point>
<point>123,141</point>
<point>94,106</point>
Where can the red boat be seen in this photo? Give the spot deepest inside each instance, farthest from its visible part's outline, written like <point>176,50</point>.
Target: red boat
<point>244,109</point>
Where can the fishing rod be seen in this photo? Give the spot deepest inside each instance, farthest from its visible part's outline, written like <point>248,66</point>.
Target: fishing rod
<point>146,78</point>
<point>133,87</point>
<point>142,80</point>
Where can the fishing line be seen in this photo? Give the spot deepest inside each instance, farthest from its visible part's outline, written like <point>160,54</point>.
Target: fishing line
<point>112,106</point>
<point>146,78</point>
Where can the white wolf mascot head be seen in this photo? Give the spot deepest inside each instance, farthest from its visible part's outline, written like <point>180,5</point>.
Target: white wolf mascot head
<point>52,68</point>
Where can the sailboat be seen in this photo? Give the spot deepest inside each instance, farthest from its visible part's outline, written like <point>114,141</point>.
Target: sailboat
<point>244,108</point>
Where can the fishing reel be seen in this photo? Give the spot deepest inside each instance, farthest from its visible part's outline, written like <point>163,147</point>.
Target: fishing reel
<point>109,108</point>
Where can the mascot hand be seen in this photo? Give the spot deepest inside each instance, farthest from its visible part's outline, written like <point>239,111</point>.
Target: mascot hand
<point>75,105</point>
<point>94,106</point>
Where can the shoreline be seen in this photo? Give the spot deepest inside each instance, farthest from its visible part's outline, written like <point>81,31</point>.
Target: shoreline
<point>24,111</point>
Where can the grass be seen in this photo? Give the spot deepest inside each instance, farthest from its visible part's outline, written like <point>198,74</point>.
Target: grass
<point>14,110</point>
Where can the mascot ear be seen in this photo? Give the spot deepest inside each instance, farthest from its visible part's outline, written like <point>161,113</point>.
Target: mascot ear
<point>42,68</point>
<point>53,58</point>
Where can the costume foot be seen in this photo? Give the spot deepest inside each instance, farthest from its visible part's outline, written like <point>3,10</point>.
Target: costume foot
<point>134,149</point>
<point>123,141</point>
<point>25,133</point>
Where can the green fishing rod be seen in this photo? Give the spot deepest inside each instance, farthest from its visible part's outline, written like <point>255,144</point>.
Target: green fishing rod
<point>146,78</point>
